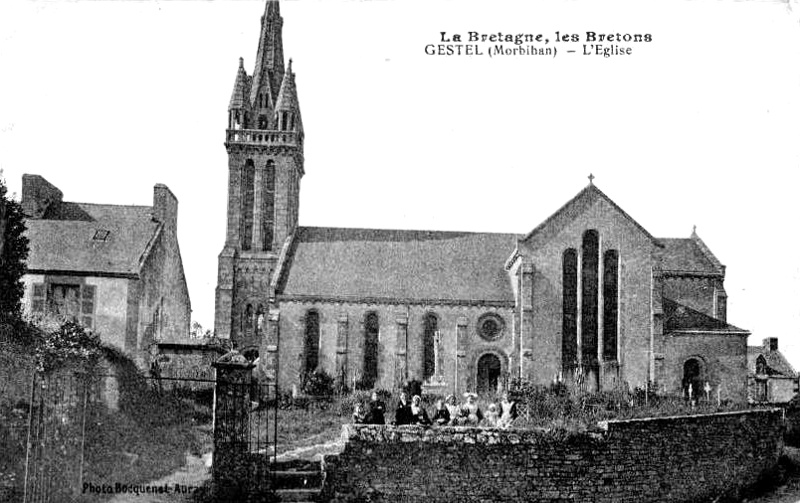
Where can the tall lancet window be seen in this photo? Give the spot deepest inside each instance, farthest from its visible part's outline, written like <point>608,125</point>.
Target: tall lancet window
<point>269,205</point>
<point>589,284</point>
<point>569,323</point>
<point>371,328</point>
<point>429,329</point>
<point>248,194</point>
<point>311,342</point>
<point>610,303</point>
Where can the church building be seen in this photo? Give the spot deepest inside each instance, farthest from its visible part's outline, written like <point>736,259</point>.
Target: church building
<point>587,297</point>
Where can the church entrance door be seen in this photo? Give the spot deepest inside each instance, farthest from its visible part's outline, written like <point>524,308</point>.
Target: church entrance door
<point>489,370</point>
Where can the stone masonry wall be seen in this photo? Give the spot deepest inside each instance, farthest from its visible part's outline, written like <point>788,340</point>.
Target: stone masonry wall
<point>664,459</point>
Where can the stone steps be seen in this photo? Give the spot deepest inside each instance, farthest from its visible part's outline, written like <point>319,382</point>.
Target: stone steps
<point>298,481</point>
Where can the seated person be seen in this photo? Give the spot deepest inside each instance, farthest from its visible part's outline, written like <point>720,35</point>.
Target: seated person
<point>491,417</point>
<point>452,408</point>
<point>377,410</point>
<point>471,414</point>
<point>441,416</point>
<point>359,414</point>
<point>402,415</point>
<point>417,412</point>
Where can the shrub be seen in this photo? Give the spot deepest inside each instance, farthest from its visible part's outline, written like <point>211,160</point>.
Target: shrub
<point>318,383</point>
<point>69,343</point>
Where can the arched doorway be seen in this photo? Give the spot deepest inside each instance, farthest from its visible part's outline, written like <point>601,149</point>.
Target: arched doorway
<point>693,375</point>
<point>489,371</point>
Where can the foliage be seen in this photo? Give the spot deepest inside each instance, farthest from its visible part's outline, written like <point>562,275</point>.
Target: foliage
<point>318,383</point>
<point>69,343</point>
<point>13,254</point>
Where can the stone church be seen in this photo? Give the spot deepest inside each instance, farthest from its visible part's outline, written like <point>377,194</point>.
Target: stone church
<point>588,296</point>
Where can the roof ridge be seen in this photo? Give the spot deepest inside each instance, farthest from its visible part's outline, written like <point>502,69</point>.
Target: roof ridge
<point>150,206</point>
<point>514,234</point>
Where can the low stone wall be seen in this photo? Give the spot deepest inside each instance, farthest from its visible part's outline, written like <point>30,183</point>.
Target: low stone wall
<point>663,459</point>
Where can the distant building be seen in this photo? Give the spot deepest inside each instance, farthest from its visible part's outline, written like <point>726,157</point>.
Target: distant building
<point>116,269</point>
<point>771,378</point>
<point>588,296</point>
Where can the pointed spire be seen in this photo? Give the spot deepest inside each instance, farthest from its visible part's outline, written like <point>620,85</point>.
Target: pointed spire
<point>268,72</point>
<point>241,88</point>
<point>288,102</point>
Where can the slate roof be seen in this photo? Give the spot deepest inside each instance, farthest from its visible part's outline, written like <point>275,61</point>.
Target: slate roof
<point>340,263</point>
<point>680,318</point>
<point>63,240</point>
<point>776,362</point>
<point>687,255</point>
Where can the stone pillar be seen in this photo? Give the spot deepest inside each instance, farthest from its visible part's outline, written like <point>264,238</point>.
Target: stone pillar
<point>258,208</point>
<point>526,325</point>
<point>461,377</point>
<point>231,423</point>
<point>341,349</point>
<point>269,354</point>
<point>401,350</point>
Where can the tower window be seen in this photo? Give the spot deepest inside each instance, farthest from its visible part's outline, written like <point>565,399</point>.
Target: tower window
<point>248,195</point>
<point>268,229</point>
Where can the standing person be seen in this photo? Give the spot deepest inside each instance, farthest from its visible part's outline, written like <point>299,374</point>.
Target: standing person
<point>508,412</point>
<point>417,412</point>
<point>470,411</point>
<point>441,415</point>
<point>402,415</point>
<point>377,410</point>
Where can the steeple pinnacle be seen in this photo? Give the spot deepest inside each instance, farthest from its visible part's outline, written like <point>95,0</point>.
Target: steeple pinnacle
<point>287,106</point>
<point>268,72</point>
<point>241,88</point>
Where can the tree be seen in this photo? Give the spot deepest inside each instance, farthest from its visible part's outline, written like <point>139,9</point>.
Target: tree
<point>13,254</point>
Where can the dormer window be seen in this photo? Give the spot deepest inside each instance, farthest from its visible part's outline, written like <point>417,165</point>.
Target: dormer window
<point>101,235</point>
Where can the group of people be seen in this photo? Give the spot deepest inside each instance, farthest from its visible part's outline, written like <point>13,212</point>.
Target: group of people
<point>446,412</point>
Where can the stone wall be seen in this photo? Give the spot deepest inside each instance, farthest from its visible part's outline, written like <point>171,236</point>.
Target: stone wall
<point>665,459</point>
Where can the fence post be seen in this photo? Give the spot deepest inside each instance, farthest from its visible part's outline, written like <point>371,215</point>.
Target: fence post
<point>231,460</point>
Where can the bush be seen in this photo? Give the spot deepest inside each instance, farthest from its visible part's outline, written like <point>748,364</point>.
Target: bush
<point>318,383</point>
<point>69,343</point>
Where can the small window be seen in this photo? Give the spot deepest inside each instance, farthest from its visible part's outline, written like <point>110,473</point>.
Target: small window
<point>101,235</point>
<point>490,326</point>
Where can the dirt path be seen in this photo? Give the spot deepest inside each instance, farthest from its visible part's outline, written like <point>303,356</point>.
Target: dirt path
<point>177,486</point>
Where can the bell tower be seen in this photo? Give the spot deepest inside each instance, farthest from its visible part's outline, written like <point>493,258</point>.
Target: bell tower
<point>264,141</point>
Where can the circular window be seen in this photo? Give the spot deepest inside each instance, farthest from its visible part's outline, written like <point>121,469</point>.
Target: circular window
<point>490,326</point>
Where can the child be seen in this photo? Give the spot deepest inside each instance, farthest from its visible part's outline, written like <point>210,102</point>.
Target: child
<point>491,417</point>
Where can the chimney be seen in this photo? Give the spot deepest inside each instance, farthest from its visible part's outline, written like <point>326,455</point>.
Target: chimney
<point>771,343</point>
<point>165,207</point>
<point>37,195</point>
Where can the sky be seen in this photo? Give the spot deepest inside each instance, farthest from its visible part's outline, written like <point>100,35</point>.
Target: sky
<point>700,126</point>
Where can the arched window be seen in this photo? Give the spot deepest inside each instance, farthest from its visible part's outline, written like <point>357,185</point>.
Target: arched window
<point>259,324</point>
<point>371,328</point>
<point>610,303</point>
<point>248,194</point>
<point>269,206</point>
<point>761,365</point>
<point>311,342</point>
<point>569,322</point>
<point>589,272</point>
<point>429,328</point>
<point>284,116</point>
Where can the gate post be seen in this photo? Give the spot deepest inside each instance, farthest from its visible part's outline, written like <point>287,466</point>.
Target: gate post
<point>231,456</point>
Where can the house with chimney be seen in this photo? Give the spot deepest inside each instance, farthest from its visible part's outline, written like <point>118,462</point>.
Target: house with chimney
<point>770,377</point>
<point>116,269</point>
